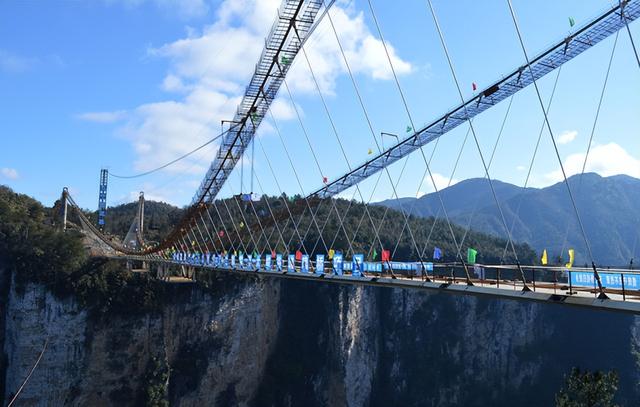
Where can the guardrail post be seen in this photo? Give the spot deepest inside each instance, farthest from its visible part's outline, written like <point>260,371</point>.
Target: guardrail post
<point>498,278</point>
<point>570,283</point>
<point>533,278</point>
<point>624,298</point>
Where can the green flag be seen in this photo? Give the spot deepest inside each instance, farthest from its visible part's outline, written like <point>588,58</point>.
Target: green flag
<point>254,117</point>
<point>375,254</point>
<point>285,61</point>
<point>572,22</point>
<point>471,255</point>
<point>409,129</point>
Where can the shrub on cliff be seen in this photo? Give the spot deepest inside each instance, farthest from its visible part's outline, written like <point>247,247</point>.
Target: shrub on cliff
<point>588,389</point>
<point>29,245</point>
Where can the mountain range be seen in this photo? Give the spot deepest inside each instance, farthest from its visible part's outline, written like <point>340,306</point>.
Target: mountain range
<point>542,217</point>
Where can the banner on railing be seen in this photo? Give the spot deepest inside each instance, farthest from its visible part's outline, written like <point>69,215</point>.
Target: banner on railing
<point>609,280</point>
<point>291,263</point>
<point>304,263</point>
<point>319,263</point>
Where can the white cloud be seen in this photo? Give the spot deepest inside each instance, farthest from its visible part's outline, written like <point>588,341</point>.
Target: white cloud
<point>102,117</point>
<point>567,136</point>
<point>521,168</point>
<point>12,63</point>
<point>440,180</point>
<point>210,67</point>
<point>9,173</point>
<point>364,52</point>
<point>606,160</point>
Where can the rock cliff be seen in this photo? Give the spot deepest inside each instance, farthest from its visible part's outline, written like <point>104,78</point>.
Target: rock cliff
<point>251,341</point>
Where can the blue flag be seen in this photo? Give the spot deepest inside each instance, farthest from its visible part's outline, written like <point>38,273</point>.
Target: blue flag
<point>437,253</point>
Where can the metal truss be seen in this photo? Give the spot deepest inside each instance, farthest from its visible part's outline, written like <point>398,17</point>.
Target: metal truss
<point>294,22</point>
<point>587,36</point>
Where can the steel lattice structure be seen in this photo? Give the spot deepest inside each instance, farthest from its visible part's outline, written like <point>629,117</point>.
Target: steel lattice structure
<point>575,44</point>
<point>294,22</point>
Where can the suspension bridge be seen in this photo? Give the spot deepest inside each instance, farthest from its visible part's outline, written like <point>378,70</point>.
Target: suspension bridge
<point>285,237</point>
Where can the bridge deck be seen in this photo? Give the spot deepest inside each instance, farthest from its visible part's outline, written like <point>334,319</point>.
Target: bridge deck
<point>507,289</point>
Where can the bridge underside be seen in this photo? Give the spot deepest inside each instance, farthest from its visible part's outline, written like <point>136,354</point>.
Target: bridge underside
<point>552,293</point>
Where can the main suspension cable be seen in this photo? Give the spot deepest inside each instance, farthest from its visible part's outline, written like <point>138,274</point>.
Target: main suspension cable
<point>475,138</point>
<point>555,146</point>
<point>593,131</point>
<point>406,107</point>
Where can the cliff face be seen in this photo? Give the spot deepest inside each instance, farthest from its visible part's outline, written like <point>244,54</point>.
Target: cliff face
<point>205,347</point>
<point>268,342</point>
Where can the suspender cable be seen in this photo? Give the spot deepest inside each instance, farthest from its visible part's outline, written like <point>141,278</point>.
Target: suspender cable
<point>475,138</point>
<point>335,132</point>
<point>224,227</point>
<point>295,172</point>
<point>626,23</point>
<point>370,125</point>
<point>533,159</point>
<point>315,158</point>
<point>284,199</point>
<point>593,131</point>
<point>555,146</point>
<point>493,152</point>
<point>406,107</point>
<point>453,172</point>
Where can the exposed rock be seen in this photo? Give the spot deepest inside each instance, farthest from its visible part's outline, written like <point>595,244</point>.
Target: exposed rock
<point>253,341</point>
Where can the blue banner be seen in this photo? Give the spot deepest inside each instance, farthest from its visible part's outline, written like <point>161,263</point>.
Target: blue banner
<point>233,260</point>
<point>279,262</point>
<point>267,262</point>
<point>337,264</point>
<point>291,263</point>
<point>256,262</point>
<point>357,265</point>
<point>319,263</point>
<point>609,280</point>
<point>304,264</point>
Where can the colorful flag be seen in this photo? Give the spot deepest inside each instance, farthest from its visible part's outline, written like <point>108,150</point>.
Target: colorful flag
<point>386,255</point>
<point>474,86</point>
<point>325,180</point>
<point>409,129</point>
<point>572,22</point>
<point>221,233</point>
<point>254,117</point>
<point>273,254</point>
<point>471,255</point>
<point>437,253</point>
<point>370,152</point>
<point>571,258</point>
<point>284,60</point>
<point>331,253</point>
<point>241,224</point>
<point>375,254</point>
<point>298,255</point>
<point>544,259</point>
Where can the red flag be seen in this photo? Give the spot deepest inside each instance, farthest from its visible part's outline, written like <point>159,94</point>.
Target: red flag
<point>386,255</point>
<point>273,254</point>
<point>474,86</point>
<point>325,180</point>
<point>298,255</point>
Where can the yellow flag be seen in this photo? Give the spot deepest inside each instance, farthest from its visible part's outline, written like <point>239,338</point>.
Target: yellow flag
<point>571,257</point>
<point>331,253</point>
<point>370,152</point>
<point>241,224</point>
<point>544,257</point>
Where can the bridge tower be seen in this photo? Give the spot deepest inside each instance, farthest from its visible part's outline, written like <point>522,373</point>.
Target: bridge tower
<point>141,215</point>
<point>65,207</point>
<point>102,197</point>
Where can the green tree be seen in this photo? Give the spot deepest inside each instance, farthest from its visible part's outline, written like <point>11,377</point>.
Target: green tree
<point>588,389</point>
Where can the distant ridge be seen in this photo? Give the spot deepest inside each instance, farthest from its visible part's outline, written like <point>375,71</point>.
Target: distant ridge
<point>608,206</point>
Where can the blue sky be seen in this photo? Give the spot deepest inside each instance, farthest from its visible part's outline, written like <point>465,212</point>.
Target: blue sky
<point>132,84</point>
